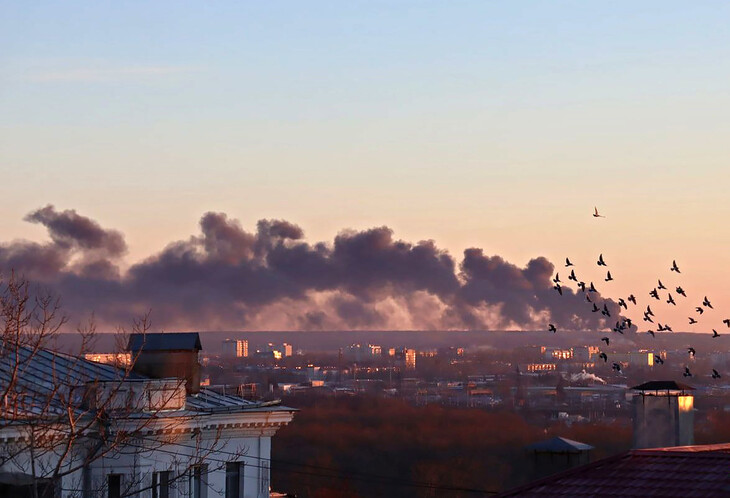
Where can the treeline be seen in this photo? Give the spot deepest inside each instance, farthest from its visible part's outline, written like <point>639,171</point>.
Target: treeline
<point>375,447</point>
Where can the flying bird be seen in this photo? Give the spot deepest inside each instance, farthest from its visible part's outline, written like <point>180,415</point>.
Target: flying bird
<point>651,333</point>
<point>551,328</point>
<point>606,340</point>
<point>557,278</point>
<point>605,310</point>
<point>572,276</point>
<point>648,310</point>
<point>680,291</point>
<point>582,286</point>
<point>661,285</point>
<point>658,359</point>
<point>647,318</point>
<point>699,310</point>
<point>726,321</point>
<point>675,267</point>
<point>706,302</point>
<point>568,263</point>
<point>617,367</point>
<point>595,213</point>
<point>670,300</point>
<point>623,305</point>
<point>631,298</point>
<point>627,322</point>
<point>692,321</point>
<point>715,374</point>
<point>714,333</point>
<point>687,373</point>
<point>604,357</point>
<point>654,294</point>
<point>559,289</point>
<point>600,261</point>
<point>592,288</point>
<point>595,308</point>
<point>692,352</point>
<point>608,276</point>
<point>588,298</point>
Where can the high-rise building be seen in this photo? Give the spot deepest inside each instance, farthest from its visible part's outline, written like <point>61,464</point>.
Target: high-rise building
<point>410,355</point>
<point>235,348</point>
<point>287,349</point>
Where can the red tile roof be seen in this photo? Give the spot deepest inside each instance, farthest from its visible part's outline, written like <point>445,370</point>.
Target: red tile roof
<point>685,471</point>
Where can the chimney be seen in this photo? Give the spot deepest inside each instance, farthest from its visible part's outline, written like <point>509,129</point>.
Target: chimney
<point>663,415</point>
<point>161,356</point>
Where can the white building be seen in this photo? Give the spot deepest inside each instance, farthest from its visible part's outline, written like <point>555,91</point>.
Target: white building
<point>135,435</point>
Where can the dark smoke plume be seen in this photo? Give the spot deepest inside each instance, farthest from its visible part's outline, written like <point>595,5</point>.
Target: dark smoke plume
<point>229,278</point>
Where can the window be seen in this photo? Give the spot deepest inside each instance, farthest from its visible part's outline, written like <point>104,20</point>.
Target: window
<point>199,481</point>
<point>161,484</point>
<point>234,479</point>
<point>114,485</point>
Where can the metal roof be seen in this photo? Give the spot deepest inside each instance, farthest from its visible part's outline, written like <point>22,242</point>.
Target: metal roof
<point>687,472</point>
<point>171,341</point>
<point>559,445</point>
<point>663,385</point>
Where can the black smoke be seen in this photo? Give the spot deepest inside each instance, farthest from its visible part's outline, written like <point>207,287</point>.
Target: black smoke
<point>226,277</point>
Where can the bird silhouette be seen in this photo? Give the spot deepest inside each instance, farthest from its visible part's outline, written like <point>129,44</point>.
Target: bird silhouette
<point>568,263</point>
<point>651,333</point>
<point>551,328</point>
<point>608,276</point>
<point>627,322</point>
<point>726,321</point>
<point>559,289</point>
<point>605,310</point>
<point>592,288</point>
<point>648,310</point>
<point>667,328</point>
<point>595,308</point>
<point>670,300</point>
<point>572,276</point>
<point>595,213</point>
<point>557,278</point>
<point>606,340</point>
<point>600,261</point>
<point>714,333</point>
<point>715,374</point>
<point>622,303</point>
<point>647,318</point>
<point>631,298</point>
<point>675,267</point>
<point>654,294</point>
<point>661,285</point>
<point>687,373</point>
<point>604,357</point>
<point>658,359</point>
<point>692,321</point>
<point>699,310</point>
<point>680,291</point>
<point>692,352</point>
<point>706,302</point>
<point>588,298</point>
<point>582,286</point>
<point>617,367</point>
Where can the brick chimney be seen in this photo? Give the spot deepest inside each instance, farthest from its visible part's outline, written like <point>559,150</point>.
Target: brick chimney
<point>168,355</point>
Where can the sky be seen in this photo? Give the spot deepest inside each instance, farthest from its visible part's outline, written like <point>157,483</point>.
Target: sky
<point>495,125</point>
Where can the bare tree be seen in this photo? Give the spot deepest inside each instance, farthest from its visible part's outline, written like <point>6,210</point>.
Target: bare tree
<point>60,412</point>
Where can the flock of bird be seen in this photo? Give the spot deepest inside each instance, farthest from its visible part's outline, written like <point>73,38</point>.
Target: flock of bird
<point>623,323</point>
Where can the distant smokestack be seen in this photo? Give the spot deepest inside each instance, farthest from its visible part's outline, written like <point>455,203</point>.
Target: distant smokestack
<point>162,356</point>
<point>663,415</point>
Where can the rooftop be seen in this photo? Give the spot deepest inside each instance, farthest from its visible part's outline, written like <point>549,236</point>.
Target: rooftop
<point>685,471</point>
<point>663,385</point>
<point>171,341</point>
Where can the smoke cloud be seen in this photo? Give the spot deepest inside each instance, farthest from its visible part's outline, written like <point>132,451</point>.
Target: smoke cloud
<point>226,277</point>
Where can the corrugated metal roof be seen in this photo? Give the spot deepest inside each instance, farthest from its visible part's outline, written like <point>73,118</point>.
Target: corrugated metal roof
<point>169,341</point>
<point>693,471</point>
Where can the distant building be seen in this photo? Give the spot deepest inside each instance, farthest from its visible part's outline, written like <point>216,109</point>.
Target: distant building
<point>410,357</point>
<point>287,349</point>
<point>634,358</point>
<point>235,348</point>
